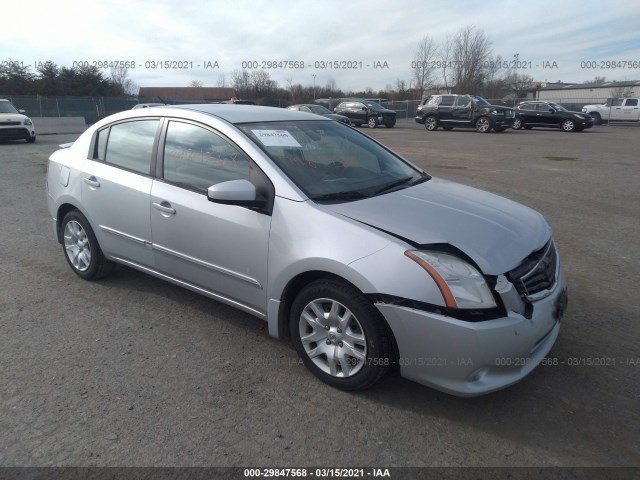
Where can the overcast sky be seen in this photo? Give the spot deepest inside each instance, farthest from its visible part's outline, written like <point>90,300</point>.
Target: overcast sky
<point>559,35</point>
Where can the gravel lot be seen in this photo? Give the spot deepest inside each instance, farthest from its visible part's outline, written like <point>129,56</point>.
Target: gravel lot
<point>134,371</point>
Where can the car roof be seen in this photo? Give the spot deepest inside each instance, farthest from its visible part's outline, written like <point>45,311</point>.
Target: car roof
<point>246,113</point>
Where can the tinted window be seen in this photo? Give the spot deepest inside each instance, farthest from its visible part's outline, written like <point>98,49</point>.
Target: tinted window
<point>447,100</point>
<point>617,102</point>
<point>130,145</point>
<point>199,158</point>
<point>463,101</point>
<point>632,102</point>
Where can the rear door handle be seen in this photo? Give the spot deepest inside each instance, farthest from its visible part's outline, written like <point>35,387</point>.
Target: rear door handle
<point>91,181</point>
<point>164,207</point>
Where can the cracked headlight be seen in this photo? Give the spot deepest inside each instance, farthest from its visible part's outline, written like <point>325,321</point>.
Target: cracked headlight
<point>462,285</point>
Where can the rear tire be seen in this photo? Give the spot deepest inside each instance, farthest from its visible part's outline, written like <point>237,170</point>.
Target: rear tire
<point>431,123</point>
<point>339,335</point>
<point>81,248</point>
<point>372,122</point>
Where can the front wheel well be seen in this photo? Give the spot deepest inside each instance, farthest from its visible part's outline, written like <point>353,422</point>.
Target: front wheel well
<point>297,283</point>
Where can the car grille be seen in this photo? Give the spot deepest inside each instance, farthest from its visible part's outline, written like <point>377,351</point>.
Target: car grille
<point>535,277</point>
<point>8,132</point>
<point>9,124</point>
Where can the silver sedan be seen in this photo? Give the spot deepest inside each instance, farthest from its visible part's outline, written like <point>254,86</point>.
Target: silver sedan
<point>363,259</point>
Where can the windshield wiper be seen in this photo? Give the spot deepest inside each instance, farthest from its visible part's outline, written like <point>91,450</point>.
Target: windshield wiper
<point>400,182</point>
<point>337,196</point>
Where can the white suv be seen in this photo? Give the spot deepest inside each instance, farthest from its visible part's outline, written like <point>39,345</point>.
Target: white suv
<point>14,125</point>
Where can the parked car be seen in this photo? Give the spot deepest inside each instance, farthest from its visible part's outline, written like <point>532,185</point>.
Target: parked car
<point>548,114</point>
<point>471,111</point>
<point>362,258</point>
<point>366,112</point>
<point>14,124</point>
<point>237,101</point>
<point>614,109</point>
<point>320,110</point>
<point>147,105</point>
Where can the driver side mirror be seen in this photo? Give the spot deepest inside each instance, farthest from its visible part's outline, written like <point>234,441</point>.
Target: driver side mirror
<point>551,110</point>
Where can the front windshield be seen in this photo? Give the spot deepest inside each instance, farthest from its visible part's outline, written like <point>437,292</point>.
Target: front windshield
<point>331,162</point>
<point>479,100</point>
<point>319,109</point>
<point>559,108</point>
<point>6,107</point>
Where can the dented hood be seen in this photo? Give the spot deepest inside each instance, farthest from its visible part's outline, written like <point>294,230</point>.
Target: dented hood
<point>497,233</point>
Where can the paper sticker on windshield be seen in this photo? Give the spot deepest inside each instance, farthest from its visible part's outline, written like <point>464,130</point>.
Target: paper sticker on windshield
<point>276,138</point>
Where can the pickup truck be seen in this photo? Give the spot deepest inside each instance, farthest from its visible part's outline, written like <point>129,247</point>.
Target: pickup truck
<point>615,109</point>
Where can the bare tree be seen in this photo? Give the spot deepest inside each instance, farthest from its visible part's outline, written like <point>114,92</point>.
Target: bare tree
<point>423,64</point>
<point>240,82</point>
<point>444,54</point>
<point>471,55</point>
<point>596,81</point>
<point>622,91</point>
<point>196,84</point>
<point>120,78</point>
<point>222,81</point>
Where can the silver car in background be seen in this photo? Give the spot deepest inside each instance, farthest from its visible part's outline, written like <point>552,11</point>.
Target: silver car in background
<point>364,260</point>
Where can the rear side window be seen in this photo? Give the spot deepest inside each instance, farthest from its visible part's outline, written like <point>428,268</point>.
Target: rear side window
<point>129,145</point>
<point>632,102</point>
<point>447,100</point>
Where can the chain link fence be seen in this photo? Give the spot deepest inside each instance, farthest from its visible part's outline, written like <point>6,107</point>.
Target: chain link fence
<point>91,108</point>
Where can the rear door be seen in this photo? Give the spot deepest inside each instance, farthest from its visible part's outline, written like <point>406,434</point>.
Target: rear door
<point>445,110</point>
<point>116,184</point>
<point>628,110</point>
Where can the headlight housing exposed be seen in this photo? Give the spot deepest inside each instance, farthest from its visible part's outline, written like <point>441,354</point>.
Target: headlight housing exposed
<point>462,285</point>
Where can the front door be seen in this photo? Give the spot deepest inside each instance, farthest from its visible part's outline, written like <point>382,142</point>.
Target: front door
<point>220,248</point>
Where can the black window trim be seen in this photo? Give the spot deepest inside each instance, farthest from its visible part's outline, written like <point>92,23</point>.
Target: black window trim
<point>159,160</point>
<point>93,145</point>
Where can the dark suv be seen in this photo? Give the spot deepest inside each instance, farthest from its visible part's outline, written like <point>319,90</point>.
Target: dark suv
<point>449,111</point>
<point>365,111</point>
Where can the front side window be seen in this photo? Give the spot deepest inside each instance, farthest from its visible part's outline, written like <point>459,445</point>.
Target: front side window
<point>130,145</point>
<point>463,101</point>
<point>329,161</point>
<point>198,158</point>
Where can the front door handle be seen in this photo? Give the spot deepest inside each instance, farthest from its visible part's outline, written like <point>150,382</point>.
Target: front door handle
<point>91,181</point>
<point>164,207</point>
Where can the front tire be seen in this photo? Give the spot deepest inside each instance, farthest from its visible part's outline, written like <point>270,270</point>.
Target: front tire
<point>568,125</point>
<point>483,125</point>
<point>339,335</point>
<point>517,124</point>
<point>597,119</point>
<point>81,248</point>
<point>31,139</point>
